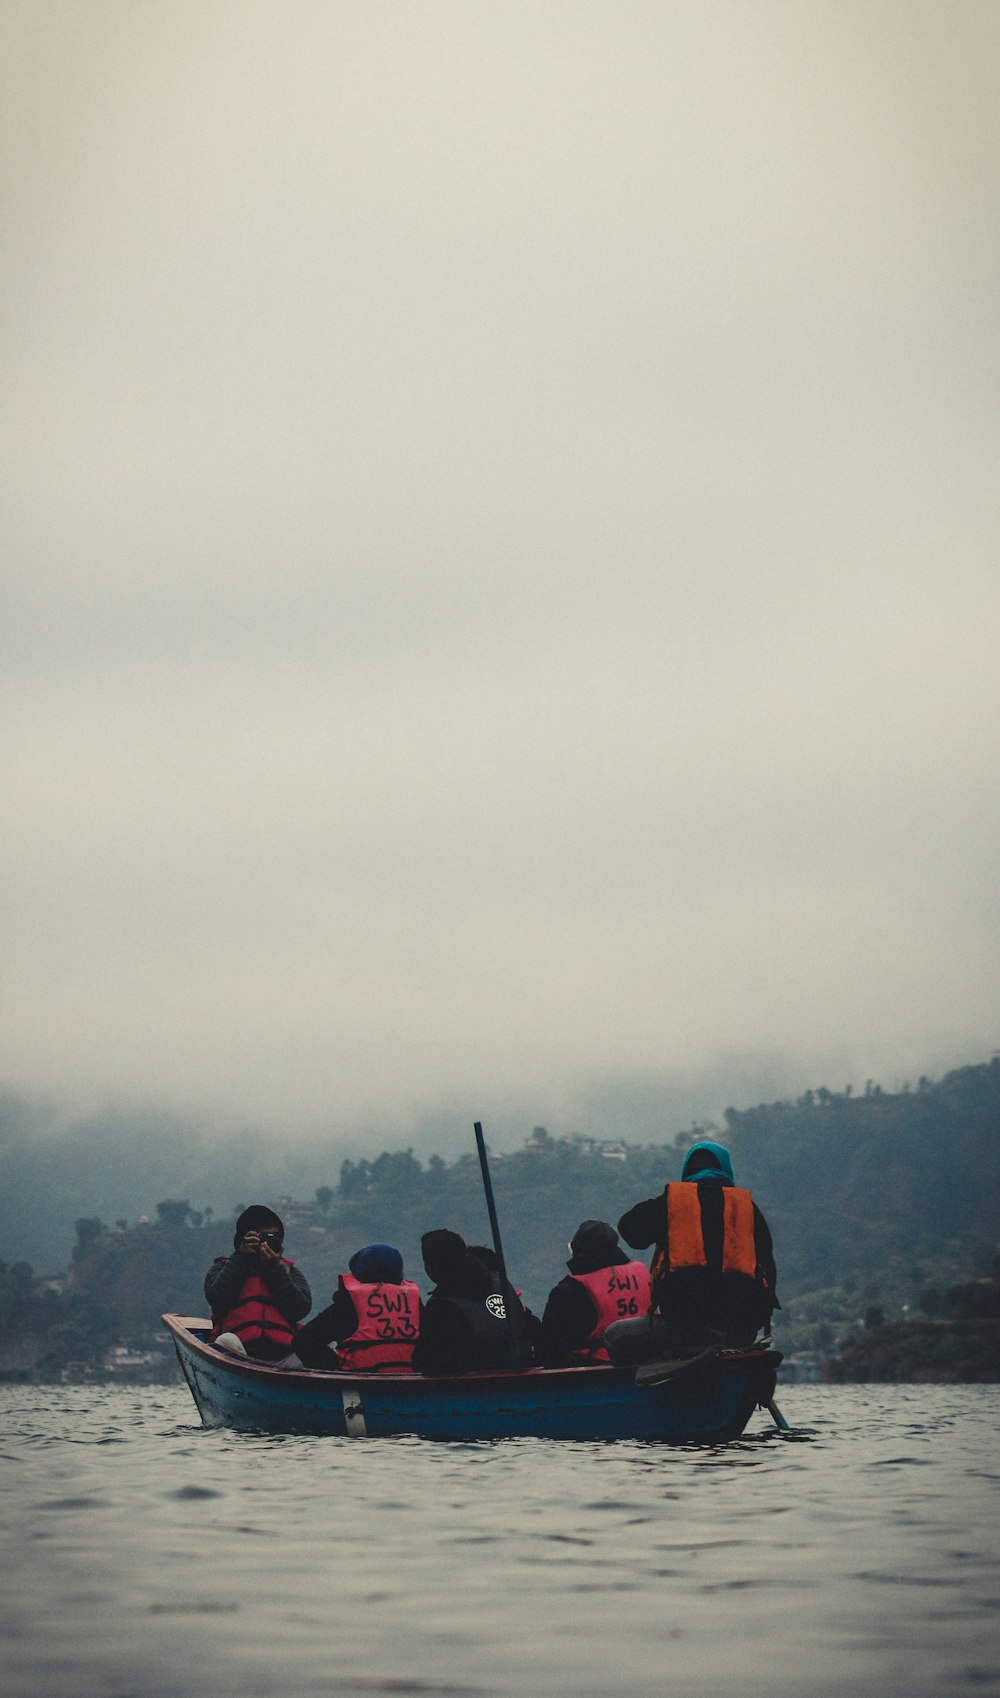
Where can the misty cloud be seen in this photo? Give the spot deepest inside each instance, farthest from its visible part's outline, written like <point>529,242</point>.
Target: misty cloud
<point>500,566</point>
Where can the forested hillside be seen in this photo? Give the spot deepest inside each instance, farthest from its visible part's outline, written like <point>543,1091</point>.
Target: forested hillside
<point>878,1199</point>
<point>880,1179</point>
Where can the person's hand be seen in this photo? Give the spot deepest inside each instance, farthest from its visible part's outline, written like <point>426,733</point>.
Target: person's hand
<point>269,1255</point>
<point>250,1244</point>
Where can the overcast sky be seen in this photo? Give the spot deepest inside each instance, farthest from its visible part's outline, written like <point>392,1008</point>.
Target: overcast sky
<point>500,552</point>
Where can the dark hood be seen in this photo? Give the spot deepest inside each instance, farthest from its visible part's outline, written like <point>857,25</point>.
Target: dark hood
<point>454,1268</point>
<point>257,1218</point>
<point>595,1245</point>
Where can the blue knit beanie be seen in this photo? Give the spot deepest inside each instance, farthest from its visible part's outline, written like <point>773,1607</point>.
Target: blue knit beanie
<point>708,1161</point>
<point>377,1264</point>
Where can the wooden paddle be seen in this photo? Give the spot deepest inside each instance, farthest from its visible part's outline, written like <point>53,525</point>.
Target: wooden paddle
<point>515,1354</point>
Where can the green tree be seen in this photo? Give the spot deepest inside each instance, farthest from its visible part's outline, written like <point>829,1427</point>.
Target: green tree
<point>173,1213</point>
<point>355,1179</point>
<point>89,1231</point>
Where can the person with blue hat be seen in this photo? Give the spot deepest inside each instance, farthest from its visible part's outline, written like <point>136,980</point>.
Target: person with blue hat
<point>713,1274</point>
<point>373,1322</point>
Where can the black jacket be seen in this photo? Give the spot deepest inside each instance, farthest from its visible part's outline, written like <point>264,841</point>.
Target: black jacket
<point>337,1321</point>
<point>457,1333</point>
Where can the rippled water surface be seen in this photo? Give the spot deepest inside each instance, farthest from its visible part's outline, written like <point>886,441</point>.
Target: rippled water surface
<point>143,1557</point>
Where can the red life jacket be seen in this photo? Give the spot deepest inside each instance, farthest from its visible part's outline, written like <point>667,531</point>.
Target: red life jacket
<point>685,1240</point>
<point>255,1315</point>
<point>388,1326</point>
<point>617,1293</point>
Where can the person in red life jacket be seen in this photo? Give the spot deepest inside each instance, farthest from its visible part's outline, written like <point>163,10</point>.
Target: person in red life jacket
<point>257,1295</point>
<point>713,1273</point>
<point>373,1322</point>
<point>464,1326</point>
<point>603,1285</point>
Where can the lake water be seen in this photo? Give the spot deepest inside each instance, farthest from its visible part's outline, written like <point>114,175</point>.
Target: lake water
<point>144,1557</point>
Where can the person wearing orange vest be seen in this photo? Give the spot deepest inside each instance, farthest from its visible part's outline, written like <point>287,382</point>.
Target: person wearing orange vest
<point>257,1295</point>
<point>603,1285</point>
<point>713,1273</point>
<point>373,1322</point>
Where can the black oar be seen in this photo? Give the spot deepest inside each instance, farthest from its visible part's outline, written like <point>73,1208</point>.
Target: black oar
<point>515,1354</point>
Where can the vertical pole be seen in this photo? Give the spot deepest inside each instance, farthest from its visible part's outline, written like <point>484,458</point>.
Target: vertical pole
<point>515,1355</point>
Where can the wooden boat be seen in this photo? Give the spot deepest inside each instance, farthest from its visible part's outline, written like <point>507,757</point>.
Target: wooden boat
<point>711,1400</point>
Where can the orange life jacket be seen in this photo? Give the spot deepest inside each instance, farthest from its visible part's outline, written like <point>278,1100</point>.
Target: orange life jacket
<point>255,1315</point>
<point>617,1294</point>
<point>685,1241</point>
<point>388,1326</point>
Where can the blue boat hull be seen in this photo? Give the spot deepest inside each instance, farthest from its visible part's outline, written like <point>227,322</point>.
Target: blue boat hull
<point>602,1402</point>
